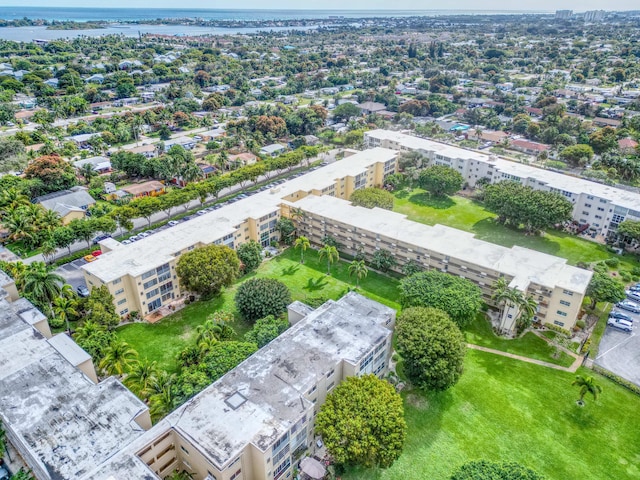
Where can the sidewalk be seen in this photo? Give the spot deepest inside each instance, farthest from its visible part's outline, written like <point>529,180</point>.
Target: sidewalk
<point>572,369</point>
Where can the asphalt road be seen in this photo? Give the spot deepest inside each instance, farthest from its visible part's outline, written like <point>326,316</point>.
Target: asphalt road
<point>619,351</point>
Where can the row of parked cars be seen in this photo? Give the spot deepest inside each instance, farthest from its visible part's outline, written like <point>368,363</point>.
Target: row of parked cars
<point>621,320</point>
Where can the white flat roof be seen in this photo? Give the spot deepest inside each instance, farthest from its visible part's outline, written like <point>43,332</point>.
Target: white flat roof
<point>560,181</point>
<point>159,248</point>
<point>523,263</point>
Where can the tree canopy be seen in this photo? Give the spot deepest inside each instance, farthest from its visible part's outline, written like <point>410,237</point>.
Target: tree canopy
<point>604,288</point>
<point>260,297</point>
<point>456,296</point>
<point>440,180</point>
<point>362,422</point>
<point>487,470</point>
<point>432,347</point>
<point>518,205</point>
<point>265,330</point>
<point>250,254</point>
<point>208,269</point>
<point>372,197</point>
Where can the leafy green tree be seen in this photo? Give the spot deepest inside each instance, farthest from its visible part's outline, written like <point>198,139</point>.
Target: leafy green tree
<point>440,180</point>
<point>250,254</point>
<point>629,228</point>
<point>383,260</point>
<point>330,253</point>
<point>587,385</point>
<point>98,307</point>
<point>372,197</point>
<point>208,269</point>
<point>604,139</point>
<point>456,296</point>
<point>94,339</point>
<point>146,207</point>
<point>265,330</point>
<point>119,358</point>
<point>13,156</point>
<point>487,470</point>
<point>577,155</point>
<point>54,173</point>
<point>346,111</point>
<point>286,228</point>
<point>260,297</point>
<point>302,243</point>
<point>362,422</point>
<point>411,267</point>
<point>518,205</point>
<point>604,288</point>
<point>432,347</point>
<point>358,269</point>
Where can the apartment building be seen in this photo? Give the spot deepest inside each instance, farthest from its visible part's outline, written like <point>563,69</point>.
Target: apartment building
<point>603,207</point>
<point>59,420</point>
<point>255,422</point>
<point>142,276</point>
<point>558,288</point>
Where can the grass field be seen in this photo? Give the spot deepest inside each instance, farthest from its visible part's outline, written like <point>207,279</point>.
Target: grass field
<point>465,214</point>
<point>508,410</point>
<point>529,345</point>
<point>163,340</point>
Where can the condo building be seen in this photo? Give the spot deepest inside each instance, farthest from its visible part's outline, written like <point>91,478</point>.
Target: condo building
<point>603,207</point>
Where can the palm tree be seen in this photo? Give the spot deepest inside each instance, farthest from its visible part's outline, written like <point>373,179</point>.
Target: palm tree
<point>501,293</point>
<point>142,377</point>
<point>527,309</point>
<point>302,243</point>
<point>162,398</point>
<point>119,358</point>
<point>331,253</point>
<point>587,385</point>
<point>63,308</point>
<point>88,330</point>
<point>87,172</point>
<point>359,269</point>
<point>41,284</point>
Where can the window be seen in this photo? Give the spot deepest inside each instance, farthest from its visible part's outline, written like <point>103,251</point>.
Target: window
<point>313,389</point>
<point>184,450</point>
<point>124,312</point>
<point>330,386</point>
<point>120,302</point>
<point>565,303</point>
<point>568,293</point>
<point>280,469</point>
<point>150,283</point>
<point>330,373</point>
<point>116,281</point>
<point>152,293</point>
<point>561,313</point>
<point>560,324</point>
<point>148,274</point>
<point>119,291</point>
<point>235,475</point>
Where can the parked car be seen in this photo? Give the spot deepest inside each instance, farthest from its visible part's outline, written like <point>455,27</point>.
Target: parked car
<point>628,305</point>
<point>633,295</point>
<point>4,473</point>
<point>173,223</point>
<point>83,291</point>
<point>99,238</point>
<point>201,212</point>
<point>621,324</point>
<point>90,258</point>
<point>126,242</point>
<point>634,288</point>
<point>96,253</point>
<point>143,235</point>
<point>620,315</point>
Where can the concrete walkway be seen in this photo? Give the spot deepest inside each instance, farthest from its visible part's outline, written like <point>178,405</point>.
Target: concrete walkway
<point>572,369</point>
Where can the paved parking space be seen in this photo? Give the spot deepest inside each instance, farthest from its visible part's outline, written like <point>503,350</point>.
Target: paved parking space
<point>619,351</point>
<point>72,273</point>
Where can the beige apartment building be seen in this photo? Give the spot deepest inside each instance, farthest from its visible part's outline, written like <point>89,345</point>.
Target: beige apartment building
<point>558,288</point>
<point>142,276</point>
<point>257,421</point>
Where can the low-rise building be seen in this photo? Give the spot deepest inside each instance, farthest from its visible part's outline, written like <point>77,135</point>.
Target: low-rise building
<point>99,164</point>
<point>253,422</point>
<point>69,204</point>
<point>604,207</point>
<point>152,188</point>
<point>272,150</point>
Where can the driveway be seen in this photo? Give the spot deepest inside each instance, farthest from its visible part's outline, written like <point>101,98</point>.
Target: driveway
<point>72,274</point>
<point>619,352</point>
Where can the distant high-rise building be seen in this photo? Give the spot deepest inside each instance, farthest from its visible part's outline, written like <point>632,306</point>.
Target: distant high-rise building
<point>594,16</point>
<point>563,14</point>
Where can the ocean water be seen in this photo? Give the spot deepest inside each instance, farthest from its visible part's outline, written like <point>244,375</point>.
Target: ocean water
<point>141,14</point>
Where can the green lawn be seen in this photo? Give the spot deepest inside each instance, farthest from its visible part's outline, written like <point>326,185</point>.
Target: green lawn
<point>163,340</point>
<point>529,345</point>
<point>466,214</point>
<point>507,410</point>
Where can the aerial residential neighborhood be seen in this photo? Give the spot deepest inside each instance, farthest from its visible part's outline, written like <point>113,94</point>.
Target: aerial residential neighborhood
<point>319,245</point>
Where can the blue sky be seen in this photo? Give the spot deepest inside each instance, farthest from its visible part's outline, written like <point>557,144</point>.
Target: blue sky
<point>577,5</point>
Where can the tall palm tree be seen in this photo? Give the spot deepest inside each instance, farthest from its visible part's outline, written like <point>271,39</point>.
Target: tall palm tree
<point>302,243</point>
<point>587,385</point>
<point>87,330</point>
<point>87,172</point>
<point>41,284</point>
<point>119,358</point>
<point>64,307</point>
<point>527,309</point>
<point>49,220</point>
<point>142,377</point>
<point>331,253</point>
<point>359,269</point>
<point>162,394</point>
<point>501,293</point>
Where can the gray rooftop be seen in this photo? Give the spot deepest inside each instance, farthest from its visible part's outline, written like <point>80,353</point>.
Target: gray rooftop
<point>64,201</point>
<point>268,388</point>
<point>59,418</point>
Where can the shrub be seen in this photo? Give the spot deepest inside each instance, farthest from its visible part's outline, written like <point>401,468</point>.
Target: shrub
<point>260,297</point>
<point>612,262</point>
<point>580,324</point>
<point>558,329</point>
<point>635,272</point>
<point>250,254</point>
<point>265,330</point>
<point>626,276</point>
<point>586,346</point>
<point>56,322</point>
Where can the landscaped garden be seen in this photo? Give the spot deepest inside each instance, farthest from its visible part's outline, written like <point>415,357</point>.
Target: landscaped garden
<point>508,410</point>
<point>469,215</point>
<point>307,282</point>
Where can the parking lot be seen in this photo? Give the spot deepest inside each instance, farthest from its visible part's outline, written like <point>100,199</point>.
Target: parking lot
<point>72,274</point>
<point>619,351</point>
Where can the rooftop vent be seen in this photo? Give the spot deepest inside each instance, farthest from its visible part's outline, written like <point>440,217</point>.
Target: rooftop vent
<point>235,400</point>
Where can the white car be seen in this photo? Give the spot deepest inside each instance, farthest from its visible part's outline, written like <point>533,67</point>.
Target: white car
<point>625,325</point>
<point>629,306</point>
<point>172,223</point>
